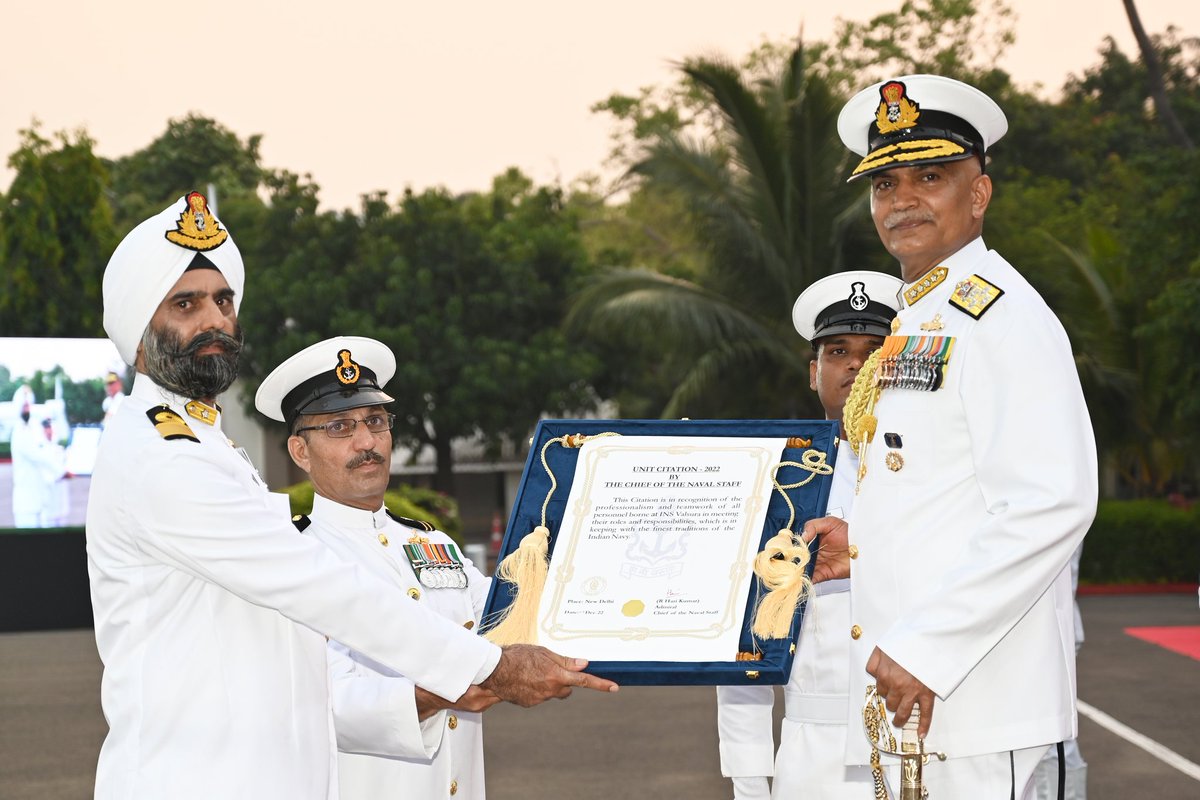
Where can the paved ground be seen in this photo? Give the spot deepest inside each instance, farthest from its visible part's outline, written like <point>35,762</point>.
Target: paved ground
<point>642,742</point>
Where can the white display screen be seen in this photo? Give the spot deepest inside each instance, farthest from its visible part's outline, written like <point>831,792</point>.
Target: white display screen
<point>54,396</point>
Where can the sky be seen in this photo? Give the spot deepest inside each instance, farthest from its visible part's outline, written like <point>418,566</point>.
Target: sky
<point>385,94</point>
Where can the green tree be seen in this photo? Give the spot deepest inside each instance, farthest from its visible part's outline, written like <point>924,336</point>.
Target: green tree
<point>1095,204</point>
<point>771,212</point>
<point>190,154</point>
<point>56,234</point>
<point>468,291</point>
<point>957,38</point>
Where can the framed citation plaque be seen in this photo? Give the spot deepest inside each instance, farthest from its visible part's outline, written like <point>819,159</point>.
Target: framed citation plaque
<point>649,532</point>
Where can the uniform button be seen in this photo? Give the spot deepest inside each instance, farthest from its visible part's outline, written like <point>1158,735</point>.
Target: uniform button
<point>469,624</point>
<point>855,632</point>
<point>414,593</point>
<point>453,787</point>
<point>854,551</point>
<point>452,722</point>
<point>383,540</point>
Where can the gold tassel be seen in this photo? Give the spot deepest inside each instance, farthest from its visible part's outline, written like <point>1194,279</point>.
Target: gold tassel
<point>525,568</point>
<point>780,566</point>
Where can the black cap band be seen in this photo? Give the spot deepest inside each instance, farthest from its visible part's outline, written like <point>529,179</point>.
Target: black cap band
<point>325,394</point>
<point>874,320</point>
<point>933,125</point>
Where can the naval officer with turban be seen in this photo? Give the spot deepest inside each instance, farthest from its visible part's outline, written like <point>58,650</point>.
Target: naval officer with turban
<point>211,612</point>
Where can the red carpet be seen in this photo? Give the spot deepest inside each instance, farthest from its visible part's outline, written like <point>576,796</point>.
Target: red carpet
<point>1182,639</point>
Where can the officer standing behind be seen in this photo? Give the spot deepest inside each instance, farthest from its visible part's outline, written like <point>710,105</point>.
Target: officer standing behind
<point>211,611</point>
<point>331,397</point>
<point>846,317</point>
<point>114,394</point>
<point>979,465</point>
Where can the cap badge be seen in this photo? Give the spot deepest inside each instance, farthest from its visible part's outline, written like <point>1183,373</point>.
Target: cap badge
<point>197,228</point>
<point>858,297</point>
<point>347,370</point>
<point>896,111</point>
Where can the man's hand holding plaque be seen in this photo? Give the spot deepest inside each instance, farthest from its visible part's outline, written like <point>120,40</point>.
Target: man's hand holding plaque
<point>834,554</point>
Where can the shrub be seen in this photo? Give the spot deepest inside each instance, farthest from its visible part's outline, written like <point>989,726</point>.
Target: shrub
<point>1142,541</point>
<point>437,509</point>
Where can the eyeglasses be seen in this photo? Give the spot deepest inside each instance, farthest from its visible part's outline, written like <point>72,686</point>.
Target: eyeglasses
<point>344,428</point>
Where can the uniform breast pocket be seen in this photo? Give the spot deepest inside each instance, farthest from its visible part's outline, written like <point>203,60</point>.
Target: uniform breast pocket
<point>906,439</point>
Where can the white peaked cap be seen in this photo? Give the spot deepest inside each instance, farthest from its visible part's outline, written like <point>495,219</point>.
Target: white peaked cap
<point>859,301</point>
<point>336,374</point>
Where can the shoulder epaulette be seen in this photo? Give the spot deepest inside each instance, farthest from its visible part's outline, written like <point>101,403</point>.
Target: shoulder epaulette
<point>974,296</point>
<point>169,424</point>
<point>420,525</point>
<point>301,521</point>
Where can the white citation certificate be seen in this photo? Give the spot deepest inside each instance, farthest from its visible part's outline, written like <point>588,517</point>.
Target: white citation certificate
<point>654,557</point>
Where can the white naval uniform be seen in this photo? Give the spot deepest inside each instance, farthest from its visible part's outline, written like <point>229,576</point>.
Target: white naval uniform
<point>810,762</point>
<point>962,572</point>
<point>385,753</point>
<point>38,464</point>
<point>210,611</point>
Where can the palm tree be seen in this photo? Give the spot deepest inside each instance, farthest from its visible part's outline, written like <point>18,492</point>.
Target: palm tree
<point>772,213</point>
<point>1102,309</point>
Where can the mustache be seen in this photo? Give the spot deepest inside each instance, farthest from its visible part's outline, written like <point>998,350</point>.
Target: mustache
<point>231,344</point>
<point>903,217</point>
<point>369,456</point>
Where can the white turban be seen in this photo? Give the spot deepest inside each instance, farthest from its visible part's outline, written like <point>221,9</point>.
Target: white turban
<point>148,262</point>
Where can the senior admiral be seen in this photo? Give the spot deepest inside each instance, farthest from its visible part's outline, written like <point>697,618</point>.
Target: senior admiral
<point>845,317</point>
<point>395,740</point>
<point>211,611</point>
<point>978,476</point>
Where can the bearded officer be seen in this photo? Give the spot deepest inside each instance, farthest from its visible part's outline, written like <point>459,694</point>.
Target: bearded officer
<point>978,476</point>
<point>211,612</point>
<point>331,397</point>
<point>845,317</point>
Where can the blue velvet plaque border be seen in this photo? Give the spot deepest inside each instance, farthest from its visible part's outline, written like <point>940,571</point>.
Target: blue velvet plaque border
<point>810,502</point>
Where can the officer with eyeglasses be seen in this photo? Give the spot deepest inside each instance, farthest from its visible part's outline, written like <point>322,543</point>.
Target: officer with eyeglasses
<point>392,736</point>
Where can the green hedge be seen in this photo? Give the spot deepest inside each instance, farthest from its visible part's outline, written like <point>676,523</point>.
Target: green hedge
<point>1142,541</point>
<point>1131,541</point>
<point>407,501</point>
<point>78,529</point>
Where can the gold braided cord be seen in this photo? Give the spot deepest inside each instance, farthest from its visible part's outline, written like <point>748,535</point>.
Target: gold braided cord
<point>525,568</point>
<point>857,421</point>
<point>573,440</point>
<point>781,564</point>
<point>813,462</point>
<point>909,151</point>
<point>879,733</point>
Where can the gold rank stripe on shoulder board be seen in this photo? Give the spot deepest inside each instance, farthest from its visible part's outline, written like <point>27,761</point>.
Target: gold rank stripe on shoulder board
<point>202,411</point>
<point>169,424</point>
<point>925,285</point>
<point>974,296</point>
